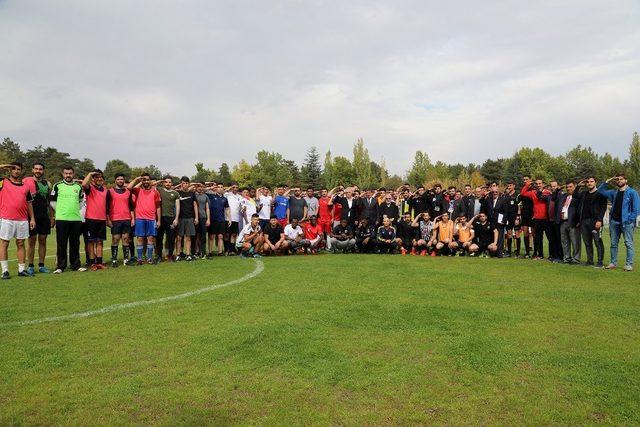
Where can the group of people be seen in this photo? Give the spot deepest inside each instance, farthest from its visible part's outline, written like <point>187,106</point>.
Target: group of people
<point>156,220</point>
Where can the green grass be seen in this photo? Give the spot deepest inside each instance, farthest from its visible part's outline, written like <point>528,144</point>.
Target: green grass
<point>332,339</point>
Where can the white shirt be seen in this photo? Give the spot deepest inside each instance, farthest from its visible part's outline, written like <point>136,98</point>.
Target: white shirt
<point>249,206</point>
<point>246,231</point>
<point>234,205</point>
<point>265,210</point>
<point>293,233</point>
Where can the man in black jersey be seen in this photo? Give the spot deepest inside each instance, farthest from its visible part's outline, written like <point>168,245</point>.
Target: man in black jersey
<point>272,236</point>
<point>365,236</point>
<point>40,189</point>
<point>405,235</point>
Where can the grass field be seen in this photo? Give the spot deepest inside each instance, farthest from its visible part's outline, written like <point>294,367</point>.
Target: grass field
<point>331,339</point>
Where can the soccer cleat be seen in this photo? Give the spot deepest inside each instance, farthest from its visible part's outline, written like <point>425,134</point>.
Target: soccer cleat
<point>44,270</point>
<point>188,258</point>
<point>57,271</point>
<point>413,251</point>
<point>31,270</point>
<point>403,251</point>
<point>24,274</point>
<point>423,252</point>
<point>82,269</point>
<point>6,275</point>
<point>94,267</point>
<point>114,263</point>
<point>433,253</point>
<point>628,268</point>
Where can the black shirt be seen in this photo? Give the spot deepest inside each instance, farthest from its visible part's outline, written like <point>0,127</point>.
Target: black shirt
<point>273,232</point>
<point>362,232</point>
<point>405,231</point>
<point>616,209</point>
<point>483,233</point>
<point>339,229</point>
<point>186,204</point>
<point>586,204</point>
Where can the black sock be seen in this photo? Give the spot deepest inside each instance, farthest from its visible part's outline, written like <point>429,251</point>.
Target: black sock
<point>41,264</point>
<point>114,252</point>
<point>509,244</point>
<point>91,261</point>
<point>99,260</point>
<point>31,265</point>
<point>527,245</point>
<point>125,252</point>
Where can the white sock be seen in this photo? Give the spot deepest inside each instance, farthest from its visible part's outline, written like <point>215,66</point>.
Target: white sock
<point>5,265</point>
<point>20,268</point>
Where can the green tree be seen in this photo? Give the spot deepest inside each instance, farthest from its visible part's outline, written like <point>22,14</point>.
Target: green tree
<point>327,171</point>
<point>241,173</point>
<point>583,162</point>
<point>492,170</point>
<point>633,163</point>
<point>11,150</point>
<point>224,175</point>
<point>342,172</point>
<point>420,167</point>
<point>362,165</point>
<point>115,166</point>
<point>311,171</point>
<point>271,169</point>
<point>151,170</point>
<point>84,166</point>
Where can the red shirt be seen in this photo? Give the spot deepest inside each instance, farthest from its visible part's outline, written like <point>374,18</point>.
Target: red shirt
<point>324,210</point>
<point>14,201</point>
<point>311,231</point>
<point>146,202</point>
<point>337,211</point>
<point>96,203</point>
<point>119,209</point>
<point>539,206</point>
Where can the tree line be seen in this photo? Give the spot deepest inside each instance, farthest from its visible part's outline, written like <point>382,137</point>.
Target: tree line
<point>272,168</point>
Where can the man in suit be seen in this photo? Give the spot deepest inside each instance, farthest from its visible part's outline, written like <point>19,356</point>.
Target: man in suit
<point>567,203</point>
<point>369,207</point>
<point>496,210</point>
<point>591,210</point>
<point>349,206</point>
<point>388,209</point>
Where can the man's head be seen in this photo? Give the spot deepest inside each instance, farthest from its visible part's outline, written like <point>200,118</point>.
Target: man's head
<point>16,170</point>
<point>280,191</point>
<point>68,173</point>
<point>386,222</point>
<point>220,189</point>
<point>200,187</point>
<point>273,220</point>
<point>234,187</point>
<point>324,192</point>
<point>406,217</point>
<point>452,191</point>
<point>467,189</point>
<point>479,192</point>
<point>539,184</point>
<point>570,186</point>
<point>387,198</point>
<point>309,192</point>
<point>462,219</point>
<point>184,183</point>
<point>421,190</point>
<point>553,185</point>
<point>591,182</point>
<point>526,178</point>
<point>252,192</point>
<point>364,222</point>
<point>511,187</point>
<point>119,179</point>
<point>622,180</point>
<point>255,219</point>
<point>297,192</point>
<point>343,222</point>
<point>445,217</point>
<point>146,180</point>
<point>294,222</point>
<point>245,193</point>
<point>494,188</point>
<point>167,182</point>
<point>313,220</point>
<point>437,188</point>
<point>97,178</point>
<point>458,195</point>
<point>38,170</point>
<point>482,217</point>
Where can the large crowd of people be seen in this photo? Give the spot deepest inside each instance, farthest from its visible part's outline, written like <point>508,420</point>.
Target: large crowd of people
<point>153,220</point>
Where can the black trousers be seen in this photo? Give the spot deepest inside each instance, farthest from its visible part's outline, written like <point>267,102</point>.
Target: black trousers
<point>555,243</point>
<point>166,223</point>
<point>500,229</point>
<point>369,247</point>
<point>68,236</point>
<point>591,236</point>
<point>539,228</point>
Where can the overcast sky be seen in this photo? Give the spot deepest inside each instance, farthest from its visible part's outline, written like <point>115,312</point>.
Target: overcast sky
<point>175,82</point>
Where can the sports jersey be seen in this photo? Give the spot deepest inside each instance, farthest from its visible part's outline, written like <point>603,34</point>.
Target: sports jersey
<point>234,205</point>
<point>385,233</point>
<point>483,233</point>
<point>265,207</point>
<point>96,203</point>
<point>186,204</point>
<point>146,201</point>
<point>119,204</point>
<point>248,229</point>
<point>312,206</point>
<point>464,232</point>
<point>312,231</point>
<point>67,197</point>
<point>280,207</point>
<point>217,206</point>
<point>324,210</point>
<point>168,201</point>
<point>337,211</point>
<point>250,207</point>
<point>40,192</point>
<point>405,230</point>
<point>445,231</point>
<point>15,201</point>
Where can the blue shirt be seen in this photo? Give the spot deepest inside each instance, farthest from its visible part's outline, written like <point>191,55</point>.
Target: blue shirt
<point>281,206</point>
<point>217,205</point>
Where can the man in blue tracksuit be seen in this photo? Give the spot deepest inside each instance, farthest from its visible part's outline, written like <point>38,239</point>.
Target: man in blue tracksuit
<point>625,204</point>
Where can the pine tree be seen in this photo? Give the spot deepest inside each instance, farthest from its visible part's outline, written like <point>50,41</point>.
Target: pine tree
<point>311,171</point>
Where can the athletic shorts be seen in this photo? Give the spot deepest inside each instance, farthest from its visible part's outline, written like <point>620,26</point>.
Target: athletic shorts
<point>12,229</point>
<point>121,227</point>
<point>186,227</point>
<point>407,243</point>
<point>325,225</point>
<point>96,230</point>
<point>283,222</point>
<point>43,227</point>
<point>145,228</point>
<point>217,227</point>
<point>233,228</point>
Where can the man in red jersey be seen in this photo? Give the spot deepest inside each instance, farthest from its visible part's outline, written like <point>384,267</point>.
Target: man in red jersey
<point>531,191</point>
<point>313,232</point>
<point>95,217</point>
<point>119,218</point>
<point>16,217</point>
<point>325,212</point>
<point>146,202</point>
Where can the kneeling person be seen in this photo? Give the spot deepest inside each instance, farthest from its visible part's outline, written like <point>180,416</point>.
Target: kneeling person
<point>313,233</point>
<point>342,237</point>
<point>366,237</point>
<point>273,237</point>
<point>486,236</point>
<point>294,236</point>
<point>249,240</point>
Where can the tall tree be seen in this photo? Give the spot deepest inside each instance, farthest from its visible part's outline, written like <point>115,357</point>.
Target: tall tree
<point>224,175</point>
<point>241,173</point>
<point>633,164</point>
<point>311,170</point>
<point>492,170</point>
<point>271,169</point>
<point>362,165</point>
<point>420,167</point>
<point>203,174</point>
<point>11,150</point>
<point>115,166</point>
<point>327,171</point>
<point>342,172</point>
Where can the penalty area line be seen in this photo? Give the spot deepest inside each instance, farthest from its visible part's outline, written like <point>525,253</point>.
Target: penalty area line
<point>117,307</point>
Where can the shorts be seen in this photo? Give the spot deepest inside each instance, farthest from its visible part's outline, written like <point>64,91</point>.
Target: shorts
<point>186,227</point>
<point>12,229</point>
<point>233,228</point>
<point>43,227</point>
<point>145,228</point>
<point>96,230</point>
<point>326,226</point>
<point>283,222</point>
<point>121,227</point>
<point>217,227</point>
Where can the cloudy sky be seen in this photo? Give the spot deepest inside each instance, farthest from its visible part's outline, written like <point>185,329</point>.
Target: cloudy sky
<point>174,82</point>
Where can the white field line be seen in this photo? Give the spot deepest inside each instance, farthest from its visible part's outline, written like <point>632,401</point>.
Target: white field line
<point>116,307</point>
<point>36,258</point>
